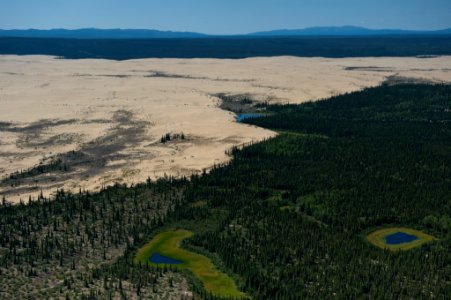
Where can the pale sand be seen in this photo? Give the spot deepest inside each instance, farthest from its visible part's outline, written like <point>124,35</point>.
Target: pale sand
<point>117,108</point>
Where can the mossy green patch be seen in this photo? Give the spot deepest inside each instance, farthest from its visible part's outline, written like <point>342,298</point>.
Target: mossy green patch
<point>378,238</point>
<point>168,244</point>
<point>199,204</point>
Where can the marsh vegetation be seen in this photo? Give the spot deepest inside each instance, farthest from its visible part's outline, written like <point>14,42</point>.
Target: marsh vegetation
<point>168,243</point>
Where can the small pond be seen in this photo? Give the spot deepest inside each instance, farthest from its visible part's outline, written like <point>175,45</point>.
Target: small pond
<point>399,238</point>
<point>157,258</point>
<point>242,117</point>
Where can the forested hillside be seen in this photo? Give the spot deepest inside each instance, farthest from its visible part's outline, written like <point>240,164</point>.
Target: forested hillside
<point>286,218</point>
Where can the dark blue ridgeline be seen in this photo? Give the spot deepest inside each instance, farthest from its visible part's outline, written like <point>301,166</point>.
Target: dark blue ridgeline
<point>242,117</point>
<point>399,238</point>
<point>157,258</point>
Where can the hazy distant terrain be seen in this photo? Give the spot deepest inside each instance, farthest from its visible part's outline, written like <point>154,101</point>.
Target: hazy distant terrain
<point>349,31</point>
<point>95,33</point>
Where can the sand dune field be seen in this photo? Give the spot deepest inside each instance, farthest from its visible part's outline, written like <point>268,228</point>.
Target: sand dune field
<point>89,123</point>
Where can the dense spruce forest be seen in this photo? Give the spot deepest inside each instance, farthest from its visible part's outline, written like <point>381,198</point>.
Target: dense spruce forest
<point>286,218</point>
<point>229,47</point>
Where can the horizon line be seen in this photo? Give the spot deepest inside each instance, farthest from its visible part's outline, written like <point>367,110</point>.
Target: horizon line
<point>229,34</point>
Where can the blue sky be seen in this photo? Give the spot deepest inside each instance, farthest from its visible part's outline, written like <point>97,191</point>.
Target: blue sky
<point>224,16</point>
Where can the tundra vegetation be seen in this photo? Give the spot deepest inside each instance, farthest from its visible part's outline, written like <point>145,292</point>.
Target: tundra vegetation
<point>286,218</point>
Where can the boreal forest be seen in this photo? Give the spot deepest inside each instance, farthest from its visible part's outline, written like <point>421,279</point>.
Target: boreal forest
<point>286,218</point>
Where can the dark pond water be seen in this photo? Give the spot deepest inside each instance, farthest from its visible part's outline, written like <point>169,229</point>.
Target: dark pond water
<point>242,117</point>
<point>157,258</point>
<point>399,238</point>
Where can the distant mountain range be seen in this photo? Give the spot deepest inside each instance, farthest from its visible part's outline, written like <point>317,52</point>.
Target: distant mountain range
<point>94,33</point>
<point>347,31</point>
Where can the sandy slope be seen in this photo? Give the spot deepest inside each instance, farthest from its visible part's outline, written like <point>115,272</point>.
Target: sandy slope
<point>116,112</point>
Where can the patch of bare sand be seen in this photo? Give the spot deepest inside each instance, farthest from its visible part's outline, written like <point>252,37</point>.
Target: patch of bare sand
<point>103,120</point>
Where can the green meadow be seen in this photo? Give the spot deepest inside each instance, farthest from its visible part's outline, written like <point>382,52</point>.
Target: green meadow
<point>168,244</point>
<point>378,237</point>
